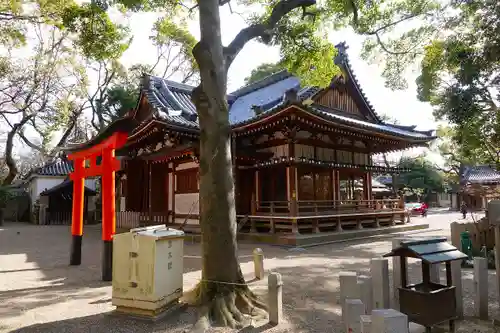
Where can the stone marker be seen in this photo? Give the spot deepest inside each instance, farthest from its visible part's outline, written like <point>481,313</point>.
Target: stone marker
<point>379,268</point>
<point>481,287</point>
<point>396,274</point>
<point>348,288</point>
<point>366,324</point>
<point>354,309</point>
<point>389,321</point>
<point>275,294</point>
<point>258,263</point>
<point>456,280</point>
<point>365,287</point>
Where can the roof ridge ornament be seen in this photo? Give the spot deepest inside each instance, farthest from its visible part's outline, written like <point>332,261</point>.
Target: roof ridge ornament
<point>290,96</point>
<point>341,57</point>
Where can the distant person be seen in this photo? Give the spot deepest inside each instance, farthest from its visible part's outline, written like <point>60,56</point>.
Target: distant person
<point>463,209</point>
<point>424,209</point>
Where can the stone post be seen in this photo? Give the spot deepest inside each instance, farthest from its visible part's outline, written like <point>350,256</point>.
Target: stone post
<point>258,263</point>
<point>354,309</point>
<point>365,287</point>
<point>389,320</point>
<point>348,289</point>
<point>275,294</point>
<point>396,274</point>
<point>481,287</point>
<point>379,268</point>
<point>456,280</point>
<point>366,324</point>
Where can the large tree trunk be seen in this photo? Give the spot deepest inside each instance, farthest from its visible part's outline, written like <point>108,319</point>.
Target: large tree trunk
<point>222,293</point>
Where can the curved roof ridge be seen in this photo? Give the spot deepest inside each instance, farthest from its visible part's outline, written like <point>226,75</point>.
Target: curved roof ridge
<point>267,81</point>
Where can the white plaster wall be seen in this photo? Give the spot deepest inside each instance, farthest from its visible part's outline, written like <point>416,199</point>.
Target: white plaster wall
<point>91,183</point>
<point>187,203</point>
<point>41,183</point>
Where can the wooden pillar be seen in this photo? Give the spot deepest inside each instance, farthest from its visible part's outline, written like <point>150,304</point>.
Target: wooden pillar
<point>174,186</point>
<point>368,177</point>
<point>108,212</point>
<point>257,190</point>
<point>291,172</point>
<point>150,192</point>
<point>332,179</point>
<point>77,213</point>
<point>336,188</point>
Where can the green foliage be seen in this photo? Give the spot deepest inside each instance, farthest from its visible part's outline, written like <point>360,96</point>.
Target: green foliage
<point>305,50</point>
<point>459,52</point>
<point>174,45</point>
<point>95,34</point>
<point>5,196</point>
<point>263,71</point>
<point>423,178</point>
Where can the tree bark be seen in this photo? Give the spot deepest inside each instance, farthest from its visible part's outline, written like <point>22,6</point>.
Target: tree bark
<point>222,293</point>
<point>9,146</point>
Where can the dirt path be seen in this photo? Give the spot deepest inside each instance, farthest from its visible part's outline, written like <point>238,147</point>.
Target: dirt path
<point>39,292</point>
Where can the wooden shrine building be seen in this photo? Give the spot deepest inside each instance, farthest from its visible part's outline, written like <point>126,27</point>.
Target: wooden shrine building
<point>302,155</point>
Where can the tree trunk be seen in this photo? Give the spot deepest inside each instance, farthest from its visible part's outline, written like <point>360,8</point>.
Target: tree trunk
<point>9,160</point>
<point>222,293</point>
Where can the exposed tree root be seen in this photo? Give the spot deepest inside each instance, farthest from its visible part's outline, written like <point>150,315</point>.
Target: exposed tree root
<point>230,306</point>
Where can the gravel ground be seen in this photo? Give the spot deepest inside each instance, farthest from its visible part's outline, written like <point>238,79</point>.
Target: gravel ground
<point>39,292</point>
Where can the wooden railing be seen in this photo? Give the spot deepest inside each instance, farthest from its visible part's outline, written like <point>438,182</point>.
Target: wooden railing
<point>321,207</point>
<point>130,220</point>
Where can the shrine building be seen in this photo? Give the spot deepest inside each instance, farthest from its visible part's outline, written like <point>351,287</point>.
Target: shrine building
<point>302,156</point>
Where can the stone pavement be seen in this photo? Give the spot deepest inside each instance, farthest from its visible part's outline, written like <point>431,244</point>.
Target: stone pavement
<point>39,292</point>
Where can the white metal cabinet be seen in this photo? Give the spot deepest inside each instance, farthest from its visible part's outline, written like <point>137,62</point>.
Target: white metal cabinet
<point>147,270</point>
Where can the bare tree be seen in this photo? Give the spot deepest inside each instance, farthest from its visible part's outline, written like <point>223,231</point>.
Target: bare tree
<point>35,93</point>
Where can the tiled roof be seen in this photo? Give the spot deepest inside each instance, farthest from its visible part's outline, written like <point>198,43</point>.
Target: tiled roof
<point>172,102</point>
<point>479,174</point>
<point>58,167</point>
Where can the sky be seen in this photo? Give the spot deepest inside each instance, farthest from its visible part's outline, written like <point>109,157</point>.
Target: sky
<point>400,105</point>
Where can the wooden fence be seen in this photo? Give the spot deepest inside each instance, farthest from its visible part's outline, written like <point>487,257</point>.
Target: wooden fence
<point>130,220</point>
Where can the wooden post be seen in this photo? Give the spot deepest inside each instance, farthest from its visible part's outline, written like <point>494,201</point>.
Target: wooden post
<point>292,171</point>
<point>77,213</point>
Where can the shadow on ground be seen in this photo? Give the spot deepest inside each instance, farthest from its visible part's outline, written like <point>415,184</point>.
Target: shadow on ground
<point>39,292</point>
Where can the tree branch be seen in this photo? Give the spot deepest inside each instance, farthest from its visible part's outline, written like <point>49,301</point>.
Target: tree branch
<point>263,30</point>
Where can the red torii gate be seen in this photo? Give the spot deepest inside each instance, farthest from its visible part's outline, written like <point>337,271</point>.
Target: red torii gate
<point>109,164</point>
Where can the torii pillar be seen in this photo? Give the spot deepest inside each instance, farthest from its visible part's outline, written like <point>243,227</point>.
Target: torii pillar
<point>109,165</point>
